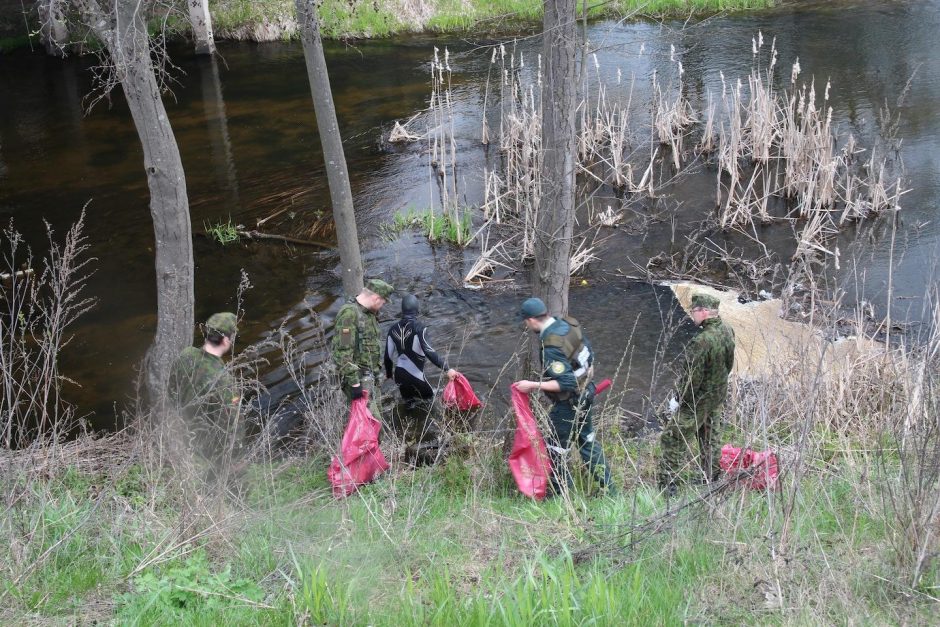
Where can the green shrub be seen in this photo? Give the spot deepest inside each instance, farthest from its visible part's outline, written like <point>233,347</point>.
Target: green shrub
<point>179,591</point>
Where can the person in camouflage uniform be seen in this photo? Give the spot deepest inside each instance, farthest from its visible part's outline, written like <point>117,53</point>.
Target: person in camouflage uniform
<point>701,391</point>
<point>357,343</point>
<point>567,381</point>
<point>204,391</point>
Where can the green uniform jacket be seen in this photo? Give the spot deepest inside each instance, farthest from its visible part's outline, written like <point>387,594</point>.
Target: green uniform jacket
<point>707,361</point>
<point>206,394</point>
<point>555,363</point>
<point>356,343</point>
<point>199,378</point>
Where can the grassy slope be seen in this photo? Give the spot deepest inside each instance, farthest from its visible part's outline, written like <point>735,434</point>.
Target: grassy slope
<point>436,547</point>
<point>264,20</point>
<point>378,19</point>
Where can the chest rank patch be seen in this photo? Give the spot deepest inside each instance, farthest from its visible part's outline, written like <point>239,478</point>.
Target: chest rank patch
<point>557,367</point>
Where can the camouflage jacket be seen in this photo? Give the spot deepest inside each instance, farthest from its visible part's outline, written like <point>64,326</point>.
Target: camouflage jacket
<point>706,363</point>
<point>356,344</point>
<point>199,384</point>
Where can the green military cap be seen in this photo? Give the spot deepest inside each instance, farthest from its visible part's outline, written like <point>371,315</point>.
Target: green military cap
<point>380,287</point>
<point>224,323</point>
<point>532,308</point>
<point>705,301</point>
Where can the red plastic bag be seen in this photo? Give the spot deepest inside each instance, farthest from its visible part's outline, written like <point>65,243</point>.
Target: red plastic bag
<point>362,459</point>
<point>528,461</point>
<point>458,393</point>
<point>761,466</point>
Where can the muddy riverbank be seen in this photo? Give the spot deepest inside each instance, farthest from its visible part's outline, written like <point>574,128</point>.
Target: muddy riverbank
<point>247,135</point>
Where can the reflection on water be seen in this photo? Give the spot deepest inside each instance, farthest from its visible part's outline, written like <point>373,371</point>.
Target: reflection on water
<point>246,132</point>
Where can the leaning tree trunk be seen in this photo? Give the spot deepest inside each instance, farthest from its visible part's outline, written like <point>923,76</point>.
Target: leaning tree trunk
<point>53,31</point>
<point>202,26</point>
<point>124,34</point>
<point>340,194</point>
<point>555,220</point>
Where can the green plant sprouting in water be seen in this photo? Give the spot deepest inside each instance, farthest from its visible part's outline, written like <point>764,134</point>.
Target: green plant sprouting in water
<point>223,232</point>
<point>453,228</point>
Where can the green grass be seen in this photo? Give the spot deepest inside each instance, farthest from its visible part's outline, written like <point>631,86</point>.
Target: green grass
<point>341,18</point>
<point>442,546</point>
<point>338,18</point>
<point>223,232</point>
<point>437,227</point>
<point>684,7</point>
<point>453,15</point>
<point>230,15</point>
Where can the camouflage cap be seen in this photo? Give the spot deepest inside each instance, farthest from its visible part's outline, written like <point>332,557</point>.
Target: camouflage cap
<point>380,287</point>
<point>705,301</point>
<point>224,323</point>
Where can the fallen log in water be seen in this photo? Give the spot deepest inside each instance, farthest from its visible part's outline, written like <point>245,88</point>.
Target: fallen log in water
<point>253,235</point>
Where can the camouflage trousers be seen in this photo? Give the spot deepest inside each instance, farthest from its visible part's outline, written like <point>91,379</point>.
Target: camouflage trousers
<point>215,446</point>
<point>571,422</point>
<point>684,427</point>
<point>375,396</point>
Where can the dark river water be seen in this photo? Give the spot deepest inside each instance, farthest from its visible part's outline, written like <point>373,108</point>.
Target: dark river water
<point>246,131</point>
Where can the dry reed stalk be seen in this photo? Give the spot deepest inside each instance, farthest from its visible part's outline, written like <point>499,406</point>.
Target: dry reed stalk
<point>731,148</point>
<point>817,230</point>
<point>491,258</point>
<point>38,309</point>
<point>608,217</point>
<point>767,143</point>
<point>400,133</point>
<point>708,143</point>
<point>493,196</point>
<point>581,258</point>
<point>671,117</point>
<point>791,130</point>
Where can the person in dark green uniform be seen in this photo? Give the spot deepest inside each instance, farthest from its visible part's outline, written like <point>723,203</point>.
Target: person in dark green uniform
<point>205,393</point>
<point>357,344</point>
<point>567,380</point>
<point>701,390</point>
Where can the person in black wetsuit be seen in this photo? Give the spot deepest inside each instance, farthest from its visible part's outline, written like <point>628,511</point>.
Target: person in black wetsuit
<point>407,350</point>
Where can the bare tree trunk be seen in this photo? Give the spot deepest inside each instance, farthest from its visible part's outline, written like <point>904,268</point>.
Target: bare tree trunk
<point>53,30</point>
<point>124,34</point>
<point>202,26</point>
<point>555,220</point>
<point>340,194</point>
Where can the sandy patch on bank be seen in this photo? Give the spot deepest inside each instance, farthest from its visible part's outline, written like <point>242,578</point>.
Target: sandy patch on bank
<point>768,345</point>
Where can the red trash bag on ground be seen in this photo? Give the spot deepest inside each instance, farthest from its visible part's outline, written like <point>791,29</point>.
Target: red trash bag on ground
<point>362,459</point>
<point>761,466</point>
<point>459,394</point>
<point>528,461</point>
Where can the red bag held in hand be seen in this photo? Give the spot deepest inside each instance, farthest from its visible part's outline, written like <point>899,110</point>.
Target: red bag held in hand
<point>362,459</point>
<point>529,462</point>
<point>459,394</point>
<point>761,465</point>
